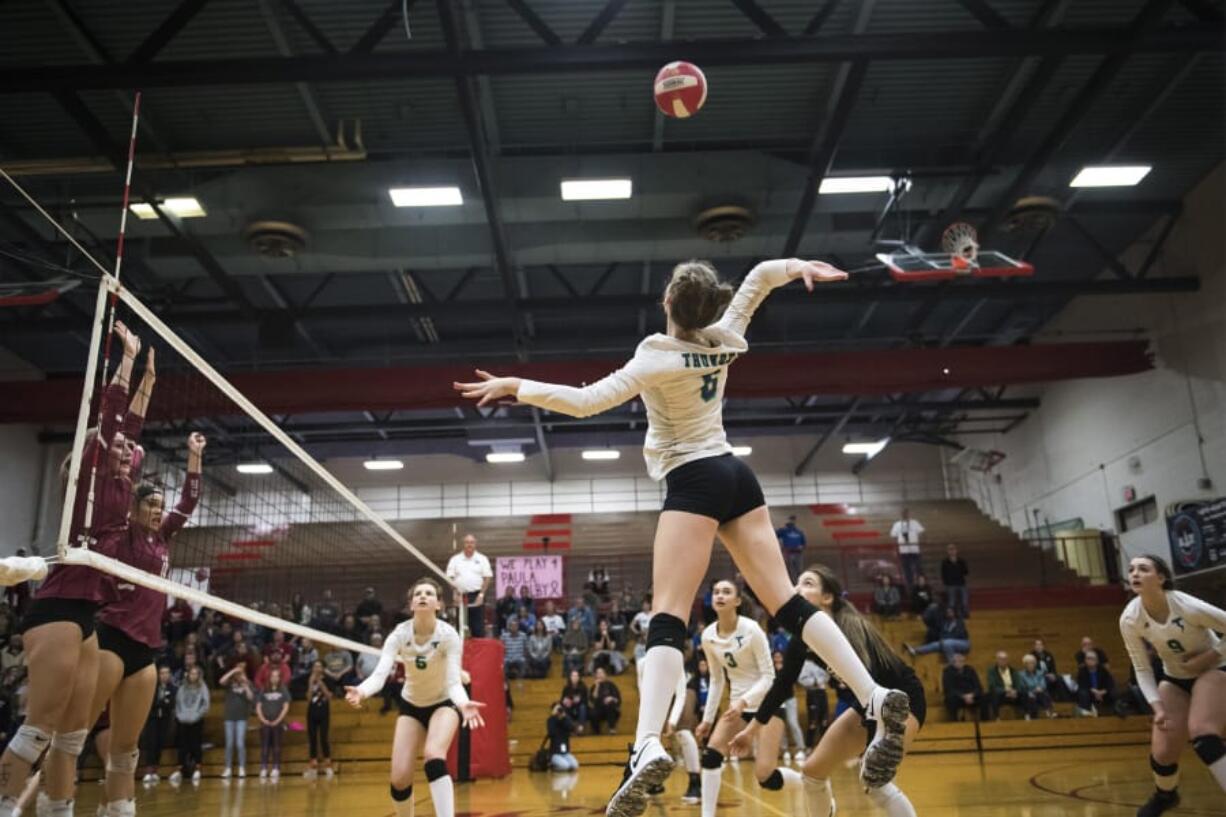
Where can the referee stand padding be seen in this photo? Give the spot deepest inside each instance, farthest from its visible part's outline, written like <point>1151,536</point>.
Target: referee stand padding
<point>483,753</point>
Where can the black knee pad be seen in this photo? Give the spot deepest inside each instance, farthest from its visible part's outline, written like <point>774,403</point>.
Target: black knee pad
<point>400,795</point>
<point>666,631</point>
<point>711,759</point>
<point>774,782</point>
<point>1162,770</point>
<point>435,768</point>
<point>793,615</point>
<point>1209,748</point>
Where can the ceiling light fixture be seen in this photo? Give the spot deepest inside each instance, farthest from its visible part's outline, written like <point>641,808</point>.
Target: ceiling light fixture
<point>383,465</point>
<point>182,206</point>
<point>855,184</point>
<point>1110,175</point>
<point>596,189</point>
<point>602,454</point>
<point>426,196</point>
<point>254,468</point>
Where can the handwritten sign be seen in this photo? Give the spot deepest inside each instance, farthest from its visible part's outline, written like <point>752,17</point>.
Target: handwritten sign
<point>542,575</point>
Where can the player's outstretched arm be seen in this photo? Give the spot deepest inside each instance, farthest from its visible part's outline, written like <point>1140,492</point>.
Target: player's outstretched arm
<point>768,276</point>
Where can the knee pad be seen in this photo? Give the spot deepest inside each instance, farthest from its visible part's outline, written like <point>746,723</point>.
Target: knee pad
<point>666,631</point>
<point>711,759</point>
<point>29,743</point>
<point>794,613</point>
<point>773,782</point>
<point>435,768</point>
<point>401,795</point>
<point>1163,770</point>
<point>1209,748</point>
<point>70,743</point>
<point>123,762</point>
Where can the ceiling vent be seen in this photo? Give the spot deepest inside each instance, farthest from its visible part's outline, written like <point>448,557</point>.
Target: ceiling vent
<point>276,239</point>
<point>727,222</point>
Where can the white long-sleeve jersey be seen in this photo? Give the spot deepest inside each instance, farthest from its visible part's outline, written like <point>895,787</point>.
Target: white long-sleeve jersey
<point>681,383</point>
<point>1187,631</point>
<point>431,666</point>
<point>743,658</point>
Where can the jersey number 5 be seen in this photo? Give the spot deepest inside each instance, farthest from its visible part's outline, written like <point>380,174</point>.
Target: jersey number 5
<point>710,386</point>
<point>420,663</point>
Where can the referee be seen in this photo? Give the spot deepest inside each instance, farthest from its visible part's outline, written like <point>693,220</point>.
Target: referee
<point>470,572</point>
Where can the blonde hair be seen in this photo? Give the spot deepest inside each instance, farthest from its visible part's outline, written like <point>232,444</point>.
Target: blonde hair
<point>696,296</point>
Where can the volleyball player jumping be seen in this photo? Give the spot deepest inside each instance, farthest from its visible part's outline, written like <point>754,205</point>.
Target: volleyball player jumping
<point>432,702</point>
<point>846,737</point>
<point>681,377</point>
<point>1189,698</point>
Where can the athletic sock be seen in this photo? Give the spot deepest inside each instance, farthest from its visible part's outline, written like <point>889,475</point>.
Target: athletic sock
<point>819,798</point>
<point>403,808</point>
<point>443,795</point>
<point>824,637</point>
<point>689,750</point>
<point>791,777</point>
<point>662,666</point>
<point>711,779</point>
<point>1218,770</point>
<point>890,799</point>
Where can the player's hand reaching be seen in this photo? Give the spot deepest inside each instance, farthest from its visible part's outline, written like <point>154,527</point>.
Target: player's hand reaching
<point>1202,662</point>
<point>742,742</point>
<point>489,389</point>
<point>470,714</point>
<point>732,715</point>
<point>814,272</point>
<point>702,730</point>
<point>131,343</point>
<point>353,697</point>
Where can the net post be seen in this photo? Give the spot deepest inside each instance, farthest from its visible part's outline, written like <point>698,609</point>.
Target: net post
<point>78,440</point>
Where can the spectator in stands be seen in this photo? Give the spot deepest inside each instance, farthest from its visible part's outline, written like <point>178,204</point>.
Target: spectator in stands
<point>236,709</point>
<point>191,705</point>
<point>617,622</point>
<point>515,645</point>
<point>303,661</point>
<point>1095,686</point>
<point>268,667</point>
<point>780,639</point>
<point>1002,687</point>
<point>933,617</point>
<point>605,653</point>
<point>962,689</point>
<point>951,640</point>
<point>256,634</point>
<point>192,646</point>
<point>1088,646</point>
<point>365,664</point>
<point>319,719</point>
<point>630,601</point>
<point>13,657</point>
<point>790,719</point>
<point>575,699</point>
<point>338,668</point>
<point>555,625</point>
<point>540,648</point>
<point>887,601</point>
<point>597,583</point>
<point>638,626</point>
<point>574,648</point>
<point>327,614</point>
<point>1033,685</point>
<point>792,543</point>
<point>272,708</point>
<point>1045,662</point>
<point>189,661</point>
<point>279,650</point>
<point>369,609</point>
<point>817,704</point>
<point>560,727</point>
<point>953,576</point>
<point>525,616</point>
<point>700,683</point>
<point>907,532</point>
<point>178,620</point>
<point>220,638</point>
<point>470,571</point>
<point>921,595</point>
<point>505,609</point>
<point>585,615</point>
<point>352,629</point>
<point>156,734</point>
<point>298,610</point>
<point>606,703</point>
<point>406,610</point>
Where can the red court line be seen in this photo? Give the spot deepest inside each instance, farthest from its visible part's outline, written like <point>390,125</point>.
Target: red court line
<point>856,534</point>
<point>843,523</point>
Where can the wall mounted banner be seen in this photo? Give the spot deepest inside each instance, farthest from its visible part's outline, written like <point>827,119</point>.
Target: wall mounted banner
<point>1197,532</point>
<point>542,574</point>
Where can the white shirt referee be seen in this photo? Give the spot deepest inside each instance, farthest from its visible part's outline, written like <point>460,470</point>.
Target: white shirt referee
<point>907,532</point>
<point>470,571</point>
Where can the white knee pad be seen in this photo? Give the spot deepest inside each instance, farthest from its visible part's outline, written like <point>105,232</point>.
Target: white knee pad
<point>29,743</point>
<point>890,799</point>
<point>70,743</point>
<point>123,762</point>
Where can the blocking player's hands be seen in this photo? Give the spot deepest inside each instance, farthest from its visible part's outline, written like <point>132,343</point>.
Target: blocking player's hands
<point>131,343</point>
<point>354,697</point>
<point>702,730</point>
<point>470,714</point>
<point>742,742</point>
<point>814,272</point>
<point>489,389</point>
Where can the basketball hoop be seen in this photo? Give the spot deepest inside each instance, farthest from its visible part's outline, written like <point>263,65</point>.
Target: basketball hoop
<point>39,293</point>
<point>978,460</point>
<point>961,241</point>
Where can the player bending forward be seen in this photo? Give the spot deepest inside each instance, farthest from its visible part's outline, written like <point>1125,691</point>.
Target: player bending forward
<point>1189,698</point>
<point>681,377</point>
<point>432,701</point>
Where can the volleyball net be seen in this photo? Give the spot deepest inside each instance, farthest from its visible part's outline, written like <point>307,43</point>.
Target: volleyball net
<point>272,531</point>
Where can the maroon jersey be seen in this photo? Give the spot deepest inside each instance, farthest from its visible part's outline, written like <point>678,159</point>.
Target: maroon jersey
<point>112,492</point>
<point>138,611</point>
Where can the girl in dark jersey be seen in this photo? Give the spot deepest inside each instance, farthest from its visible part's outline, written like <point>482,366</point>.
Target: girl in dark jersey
<point>130,628</point>
<point>850,732</point>
<point>58,629</point>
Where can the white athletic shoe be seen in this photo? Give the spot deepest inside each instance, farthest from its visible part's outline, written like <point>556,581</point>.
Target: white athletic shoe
<point>328,772</point>
<point>242,772</point>
<point>647,768</point>
<point>176,777</point>
<point>889,708</point>
<point>787,758</point>
<point>276,775</point>
<point>310,774</point>
<point>225,773</point>
<point>196,776</point>
<point>263,773</point>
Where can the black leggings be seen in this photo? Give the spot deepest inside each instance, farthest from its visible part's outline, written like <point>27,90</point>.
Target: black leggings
<point>318,721</point>
<point>191,748</point>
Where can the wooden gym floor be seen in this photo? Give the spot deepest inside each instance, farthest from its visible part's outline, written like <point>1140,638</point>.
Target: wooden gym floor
<point>1087,782</point>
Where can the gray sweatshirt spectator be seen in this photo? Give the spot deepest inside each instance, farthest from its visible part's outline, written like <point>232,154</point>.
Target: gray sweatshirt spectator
<point>191,705</point>
<point>191,702</point>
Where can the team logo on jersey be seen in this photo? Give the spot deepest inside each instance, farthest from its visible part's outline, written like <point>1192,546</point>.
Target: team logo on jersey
<point>1178,622</point>
<point>740,641</point>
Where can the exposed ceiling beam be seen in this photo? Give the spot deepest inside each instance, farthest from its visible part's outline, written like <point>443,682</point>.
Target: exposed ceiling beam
<point>309,100</point>
<point>834,429</point>
<point>1111,41</point>
<point>534,21</point>
<point>984,13</point>
<point>608,14</point>
<point>820,17</point>
<point>167,31</point>
<point>307,25</point>
<point>760,18</point>
<point>379,29</point>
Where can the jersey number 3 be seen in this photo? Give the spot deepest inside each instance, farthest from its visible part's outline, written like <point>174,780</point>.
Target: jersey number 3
<point>710,386</point>
<point>730,659</point>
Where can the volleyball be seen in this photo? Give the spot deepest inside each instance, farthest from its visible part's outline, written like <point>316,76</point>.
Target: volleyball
<point>680,89</point>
